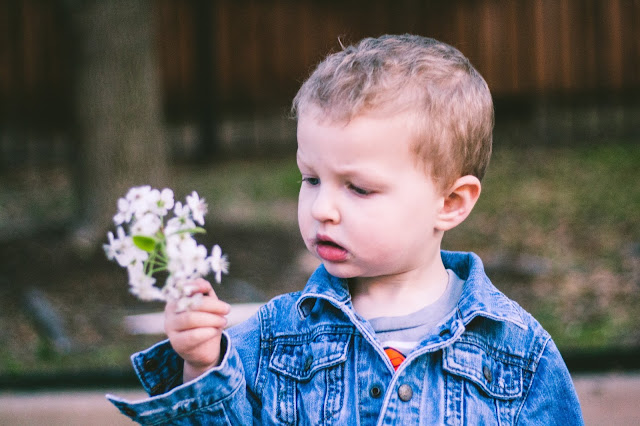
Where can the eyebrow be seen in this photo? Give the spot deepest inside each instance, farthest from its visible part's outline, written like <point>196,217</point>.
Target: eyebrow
<point>349,173</point>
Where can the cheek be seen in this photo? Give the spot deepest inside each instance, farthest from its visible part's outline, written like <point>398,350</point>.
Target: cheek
<point>304,216</point>
<point>385,226</point>
<point>302,202</point>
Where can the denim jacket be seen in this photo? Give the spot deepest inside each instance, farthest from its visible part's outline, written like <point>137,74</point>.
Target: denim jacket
<point>308,358</point>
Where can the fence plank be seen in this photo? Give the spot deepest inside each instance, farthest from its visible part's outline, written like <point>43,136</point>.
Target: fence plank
<point>264,48</point>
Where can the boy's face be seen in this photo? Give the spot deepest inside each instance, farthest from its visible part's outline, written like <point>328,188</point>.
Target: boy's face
<point>366,208</point>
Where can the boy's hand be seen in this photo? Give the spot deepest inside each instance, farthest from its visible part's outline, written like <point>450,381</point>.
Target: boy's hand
<point>195,334</point>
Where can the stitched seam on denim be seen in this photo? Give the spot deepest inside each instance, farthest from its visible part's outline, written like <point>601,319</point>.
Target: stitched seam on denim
<point>483,314</point>
<point>452,402</point>
<point>465,372</point>
<point>204,407</point>
<point>494,352</point>
<point>538,350</point>
<point>266,348</point>
<point>534,373</point>
<point>308,336</point>
<point>484,350</point>
<point>339,356</point>
<point>335,393</point>
<point>286,402</point>
<point>496,407</point>
<point>264,314</point>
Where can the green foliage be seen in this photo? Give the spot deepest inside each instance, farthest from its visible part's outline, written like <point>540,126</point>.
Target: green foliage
<point>577,210</point>
<point>253,180</point>
<point>540,198</point>
<point>145,243</point>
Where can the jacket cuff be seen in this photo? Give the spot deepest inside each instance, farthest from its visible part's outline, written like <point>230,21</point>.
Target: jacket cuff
<point>159,368</point>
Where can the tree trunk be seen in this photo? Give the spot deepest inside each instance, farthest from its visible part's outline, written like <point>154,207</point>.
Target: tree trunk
<point>119,124</point>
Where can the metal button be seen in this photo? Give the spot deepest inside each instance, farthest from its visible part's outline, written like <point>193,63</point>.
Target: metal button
<point>308,362</point>
<point>487,373</point>
<point>375,391</point>
<point>405,393</point>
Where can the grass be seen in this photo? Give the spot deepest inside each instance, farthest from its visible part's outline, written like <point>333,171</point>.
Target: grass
<point>580,203</point>
<point>576,211</point>
<point>259,192</point>
<point>255,180</point>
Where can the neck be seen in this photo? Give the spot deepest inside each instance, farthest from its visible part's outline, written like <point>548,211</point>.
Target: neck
<point>399,294</point>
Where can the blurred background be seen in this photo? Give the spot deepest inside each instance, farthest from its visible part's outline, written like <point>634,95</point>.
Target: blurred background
<point>98,96</point>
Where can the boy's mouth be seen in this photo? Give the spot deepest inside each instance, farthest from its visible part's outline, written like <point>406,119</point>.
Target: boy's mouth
<point>328,243</point>
<point>329,251</point>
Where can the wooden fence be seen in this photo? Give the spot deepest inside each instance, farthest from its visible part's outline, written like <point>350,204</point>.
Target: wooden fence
<point>35,63</point>
<point>263,49</point>
<point>251,55</point>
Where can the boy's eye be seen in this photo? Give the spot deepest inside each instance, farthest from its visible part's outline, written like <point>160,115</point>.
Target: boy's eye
<point>313,181</point>
<point>358,190</point>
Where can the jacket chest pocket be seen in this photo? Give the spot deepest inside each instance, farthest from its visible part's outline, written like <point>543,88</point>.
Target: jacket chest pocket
<point>309,377</point>
<point>481,386</point>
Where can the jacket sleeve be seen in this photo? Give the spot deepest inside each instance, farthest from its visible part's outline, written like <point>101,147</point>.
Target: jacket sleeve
<point>551,399</point>
<point>220,396</point>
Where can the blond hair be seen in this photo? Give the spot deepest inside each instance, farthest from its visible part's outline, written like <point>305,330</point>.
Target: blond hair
<point>447,101</point>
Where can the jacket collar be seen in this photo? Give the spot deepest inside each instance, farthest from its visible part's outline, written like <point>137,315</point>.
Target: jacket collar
<point>323,285</point>
<point>479,296</point>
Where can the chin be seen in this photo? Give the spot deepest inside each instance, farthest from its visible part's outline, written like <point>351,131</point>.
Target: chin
<point>340,270</point>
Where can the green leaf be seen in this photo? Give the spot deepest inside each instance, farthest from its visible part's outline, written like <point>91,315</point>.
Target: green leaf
<point>145,243</point>
<point>196,230</point>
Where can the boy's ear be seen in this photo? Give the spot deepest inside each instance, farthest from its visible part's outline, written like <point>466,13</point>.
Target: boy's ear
<point>459,200</point>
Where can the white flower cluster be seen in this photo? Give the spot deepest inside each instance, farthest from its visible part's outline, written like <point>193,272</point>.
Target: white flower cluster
<point>146,245</point>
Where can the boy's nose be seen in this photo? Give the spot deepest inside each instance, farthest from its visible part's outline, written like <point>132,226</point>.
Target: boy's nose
<point>324,207</point>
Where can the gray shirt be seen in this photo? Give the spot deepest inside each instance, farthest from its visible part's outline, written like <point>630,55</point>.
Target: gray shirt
<point>403,333</point>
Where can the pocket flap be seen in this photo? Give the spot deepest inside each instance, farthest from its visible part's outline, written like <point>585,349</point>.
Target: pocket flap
<point>300,360</point>
<point>495,375</point>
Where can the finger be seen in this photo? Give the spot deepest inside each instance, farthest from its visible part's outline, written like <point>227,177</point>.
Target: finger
<point>200,285</point>
<point>207,304</point>
<point>191,339</point>
<point>193,320</point>
<point>213,305</point>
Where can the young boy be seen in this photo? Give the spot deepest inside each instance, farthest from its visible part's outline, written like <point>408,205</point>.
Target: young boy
<point>394,135</point>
